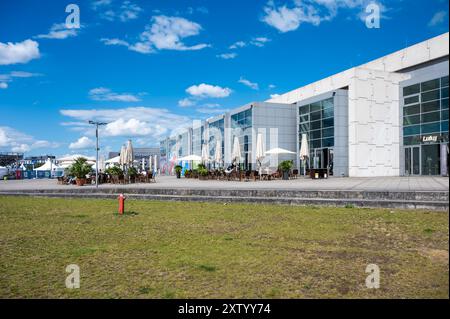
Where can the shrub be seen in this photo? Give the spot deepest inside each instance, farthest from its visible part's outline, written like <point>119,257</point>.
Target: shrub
<point>80,168</point>
<point>203,171</point>
<point>115,171</point>
<point>286,165</point>
<point>178,169</point>
<point>132,171</point>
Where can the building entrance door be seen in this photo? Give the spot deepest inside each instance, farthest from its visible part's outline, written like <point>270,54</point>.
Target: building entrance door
<point>412,160</point>
<point>323,158</point>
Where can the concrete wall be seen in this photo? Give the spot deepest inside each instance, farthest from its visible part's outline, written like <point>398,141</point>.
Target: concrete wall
<point>423,52</point>
<point>374,126</point>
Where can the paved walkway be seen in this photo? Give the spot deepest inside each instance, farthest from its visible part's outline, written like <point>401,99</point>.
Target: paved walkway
<point>391,184</point>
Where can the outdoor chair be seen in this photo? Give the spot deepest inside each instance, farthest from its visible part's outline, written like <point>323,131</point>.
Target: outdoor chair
<point>295,173</point>
<point>248,175</point>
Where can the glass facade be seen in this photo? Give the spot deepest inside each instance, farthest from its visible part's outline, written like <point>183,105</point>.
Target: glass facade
<point>317,122</point>
<point>197,140</point>
<point>216,133</point>
<point>241,125</point>
<point>425,126</point>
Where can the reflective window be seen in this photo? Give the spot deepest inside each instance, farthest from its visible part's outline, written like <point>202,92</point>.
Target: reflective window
<point>431,128</point>
<point>431,117</point>
<point>411,120</point>
<point>320,129</point>
<point>430,85</point>
<point>430,106</point>
<point>427,114</point>
<point>412,100</point>
<point>412,89</point>
<point>413,109</point>
<point>430,96</point>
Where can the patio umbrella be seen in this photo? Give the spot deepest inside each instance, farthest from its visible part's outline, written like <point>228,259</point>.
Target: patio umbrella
<point>101,163</point>
<point>205,153</point>
<point>155,164</point>
<point>129,154</point>
<point>304,152</point>
<point>218,152</point>
<point>277,150</point>
<point>143,164</point>
<point>260,152</point>
<point>236,154</point>
<point>122,155</point>
<point>190,158</point>
<point>150,163</point>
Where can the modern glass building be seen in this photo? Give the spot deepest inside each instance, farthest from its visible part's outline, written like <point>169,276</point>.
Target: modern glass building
<point>425,127</point>
<point>388,117</point>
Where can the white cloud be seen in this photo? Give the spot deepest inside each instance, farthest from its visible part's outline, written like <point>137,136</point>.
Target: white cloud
<point>100,3</point>
<point>83,142</point>
<point>437,19</point>
<point>164,33</point>
<point>129,122</point>
<point>186,102</point>
<point>208,91</point>
<point>272,86</point>
<point>126,11</point>
<point>227,56</point>
<point>20,52</point>
<point>251,85</point>
<point>105,94</point>
<point>238,44</point>
<point>260,41</point>
<point>288,18</point>
<point>273,96</point>
<point>8,77</point>
<point>16,141</point>
<point>114,41</point>
<point>59,31</point>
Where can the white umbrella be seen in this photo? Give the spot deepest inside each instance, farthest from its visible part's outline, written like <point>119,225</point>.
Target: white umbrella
<point>150,163</point>
<point>277,150</point>
<point>143,164</point>
<point>191,158</point>
<point>236,154</point>
<point>155,164</point>
<point>218,152</point>
<point>129,154</point>
<point>122,155</point>
<point>304,151</point>
<point>205,153</point>
<point>260,152</point>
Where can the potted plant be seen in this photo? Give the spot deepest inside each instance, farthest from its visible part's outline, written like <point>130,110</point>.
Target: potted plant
<point>203,173</point>
<point>80,169</point>
<point>178,169</point>
<point>132,173</point>
<point>285,167</point>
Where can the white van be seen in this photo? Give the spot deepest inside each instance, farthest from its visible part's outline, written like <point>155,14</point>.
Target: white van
<point>3,172</point>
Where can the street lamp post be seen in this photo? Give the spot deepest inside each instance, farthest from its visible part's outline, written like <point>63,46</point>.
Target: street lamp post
<point>97,124</point>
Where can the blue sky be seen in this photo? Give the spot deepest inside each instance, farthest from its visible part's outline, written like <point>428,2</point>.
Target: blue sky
<point>151,67</point>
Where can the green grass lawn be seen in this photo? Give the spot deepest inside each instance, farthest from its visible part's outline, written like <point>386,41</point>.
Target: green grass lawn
<point>213,250</point>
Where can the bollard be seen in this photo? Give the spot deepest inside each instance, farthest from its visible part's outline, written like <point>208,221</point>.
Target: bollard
<point>121,204</point>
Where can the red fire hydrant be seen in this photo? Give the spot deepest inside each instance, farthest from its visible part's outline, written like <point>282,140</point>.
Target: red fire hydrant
<point>121,204</point>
